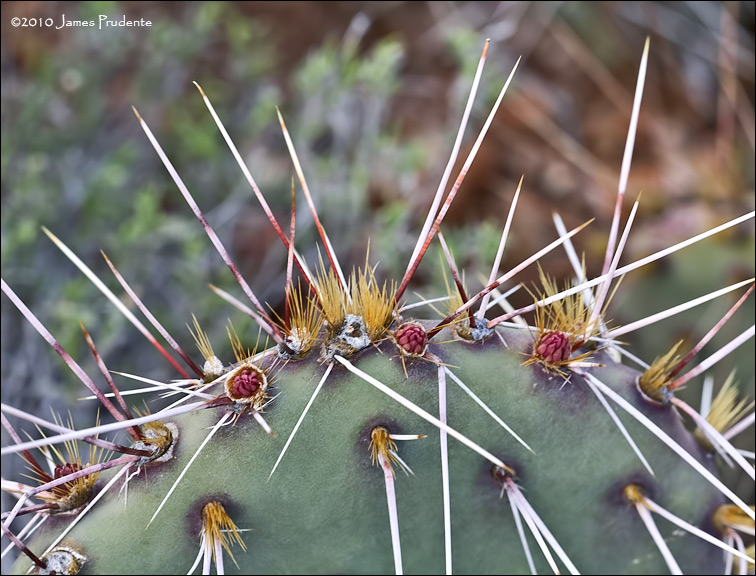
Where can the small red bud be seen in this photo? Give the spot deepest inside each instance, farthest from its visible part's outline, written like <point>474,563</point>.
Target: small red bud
<point>246,383</point>
<point>553,347</point>
<point>66,469</point>
<point>411,338</point>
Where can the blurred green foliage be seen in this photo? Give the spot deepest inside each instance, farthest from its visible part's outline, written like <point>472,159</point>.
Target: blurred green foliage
<point>74,160</point>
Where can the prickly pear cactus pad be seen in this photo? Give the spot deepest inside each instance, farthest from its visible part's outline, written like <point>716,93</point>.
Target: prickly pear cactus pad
<point>324,508</point>
<point>354,435</point>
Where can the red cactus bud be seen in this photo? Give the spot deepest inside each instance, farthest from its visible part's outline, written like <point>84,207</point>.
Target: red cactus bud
<point>66,469</point>
<point>246,383</point>
<point>411,338</point>
<point>554,347</point>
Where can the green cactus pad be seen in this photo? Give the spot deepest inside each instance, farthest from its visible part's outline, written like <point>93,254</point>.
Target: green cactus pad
<point>324,510</point>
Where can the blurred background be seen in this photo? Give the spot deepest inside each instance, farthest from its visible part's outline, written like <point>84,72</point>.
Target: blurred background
<point>372,93</point>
